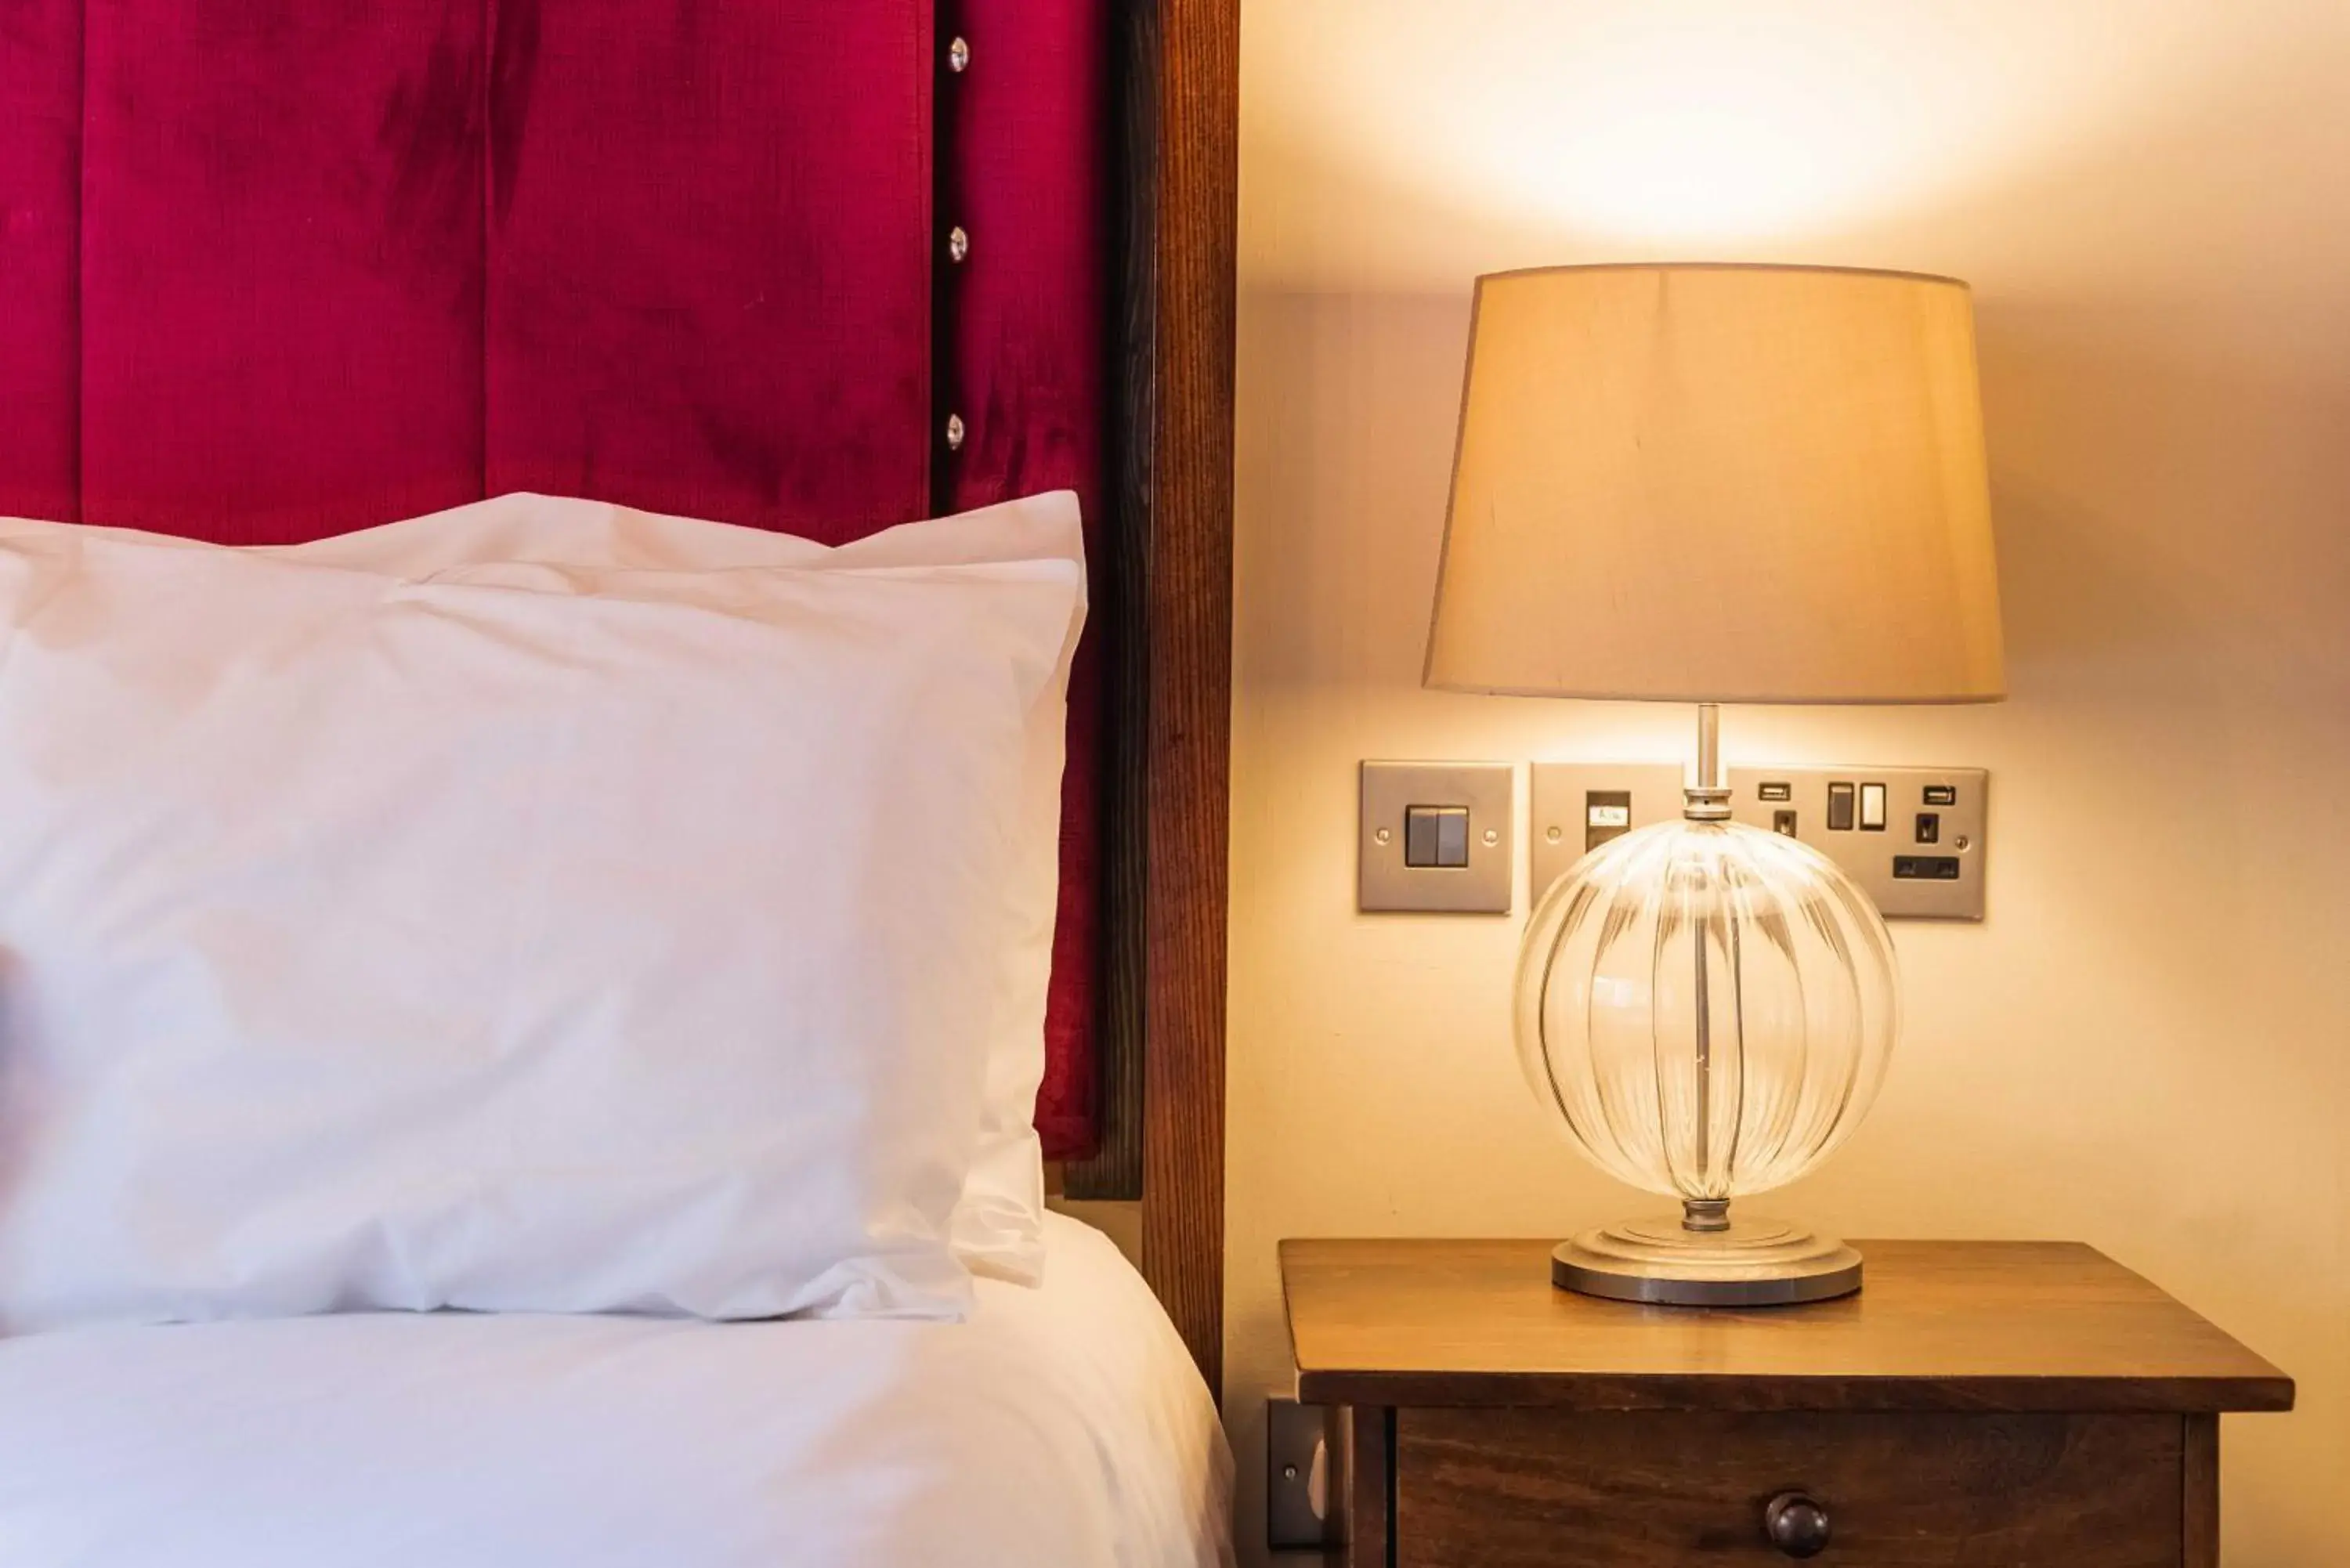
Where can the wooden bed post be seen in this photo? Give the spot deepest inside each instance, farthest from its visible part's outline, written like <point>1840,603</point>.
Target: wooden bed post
<point>1179,77</point>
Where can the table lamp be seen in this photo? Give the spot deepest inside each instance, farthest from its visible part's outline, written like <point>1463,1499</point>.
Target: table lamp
<point>1706,484</point>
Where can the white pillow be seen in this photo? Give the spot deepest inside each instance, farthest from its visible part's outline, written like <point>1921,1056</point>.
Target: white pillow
<point>998,1226</point>
<point>369,943</point>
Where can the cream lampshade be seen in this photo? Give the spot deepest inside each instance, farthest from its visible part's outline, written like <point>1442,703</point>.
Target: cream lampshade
<point>1715,483</point>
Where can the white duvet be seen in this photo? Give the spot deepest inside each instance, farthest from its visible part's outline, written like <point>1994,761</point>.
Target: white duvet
<point>1062,1427</point>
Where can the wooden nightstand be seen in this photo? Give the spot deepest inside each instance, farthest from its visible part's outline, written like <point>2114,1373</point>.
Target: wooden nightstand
<point>1985,1403</point>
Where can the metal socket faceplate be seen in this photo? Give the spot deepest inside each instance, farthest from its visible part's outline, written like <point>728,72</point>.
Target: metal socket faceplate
<point>1396,798</point>
<point>1298,1476</point>
<point>1576,807</point>
<point>1912,838</point>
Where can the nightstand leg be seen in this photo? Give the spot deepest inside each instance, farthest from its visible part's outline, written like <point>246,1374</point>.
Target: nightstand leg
<point>1368,1494</point>
<point>2201,1479</point>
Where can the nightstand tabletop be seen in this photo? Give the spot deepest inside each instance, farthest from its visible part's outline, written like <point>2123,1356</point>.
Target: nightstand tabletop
<point>1938,1326</point>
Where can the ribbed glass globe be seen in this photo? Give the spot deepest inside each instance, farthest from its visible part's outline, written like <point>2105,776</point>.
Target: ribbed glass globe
<point>1760,939</point>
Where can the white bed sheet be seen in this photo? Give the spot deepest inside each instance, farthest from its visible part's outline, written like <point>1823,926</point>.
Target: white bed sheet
<point>1062,1427</point>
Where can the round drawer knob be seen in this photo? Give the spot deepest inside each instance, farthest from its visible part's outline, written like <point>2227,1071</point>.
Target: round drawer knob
<point>1797,1525</point>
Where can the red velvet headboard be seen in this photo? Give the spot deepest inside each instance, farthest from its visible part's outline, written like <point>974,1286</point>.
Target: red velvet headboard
<point>276,268</point>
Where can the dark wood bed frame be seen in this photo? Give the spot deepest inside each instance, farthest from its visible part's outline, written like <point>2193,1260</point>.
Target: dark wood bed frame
<point>1177,82</point>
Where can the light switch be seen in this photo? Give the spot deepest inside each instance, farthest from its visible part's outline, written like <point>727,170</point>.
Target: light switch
<point>1436,838</point>
<point>1840,807</point>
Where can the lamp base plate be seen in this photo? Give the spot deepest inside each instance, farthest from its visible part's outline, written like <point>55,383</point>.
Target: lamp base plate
<point>1753,1262</point>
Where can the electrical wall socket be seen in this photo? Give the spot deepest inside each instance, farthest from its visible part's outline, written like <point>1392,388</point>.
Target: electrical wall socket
<point>1913,837</point>
<point>1577,806</point>
<point>1298,1475</point>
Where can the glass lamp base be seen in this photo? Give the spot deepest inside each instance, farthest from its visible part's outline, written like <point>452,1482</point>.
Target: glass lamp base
<point>1747,1262</point>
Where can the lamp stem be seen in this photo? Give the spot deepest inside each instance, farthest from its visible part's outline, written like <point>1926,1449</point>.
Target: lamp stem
<point>1707,800</point>
<point>1704,1070</point>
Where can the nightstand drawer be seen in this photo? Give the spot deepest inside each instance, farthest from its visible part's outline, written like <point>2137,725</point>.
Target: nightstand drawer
<point>1536,1488</point>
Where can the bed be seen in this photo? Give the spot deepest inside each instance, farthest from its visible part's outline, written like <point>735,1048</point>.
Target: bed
<point>274,273</point>
<point>1060,1425</point>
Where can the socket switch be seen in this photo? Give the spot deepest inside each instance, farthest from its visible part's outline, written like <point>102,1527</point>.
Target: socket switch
<point>1436,838</point>
<point>1912,838</point>
<point>1578,806</point>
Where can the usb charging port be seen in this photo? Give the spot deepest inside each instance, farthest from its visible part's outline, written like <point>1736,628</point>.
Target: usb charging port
<point>1926,867</point>
<point>1941,794</point>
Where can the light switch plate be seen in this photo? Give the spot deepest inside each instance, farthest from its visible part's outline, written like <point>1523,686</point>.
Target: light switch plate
<point>1943,857</point>
<point>1385,884</point>
<point>1569,796</point>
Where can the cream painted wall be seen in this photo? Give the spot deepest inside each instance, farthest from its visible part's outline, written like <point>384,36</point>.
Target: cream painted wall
<point>2147,1044</point>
